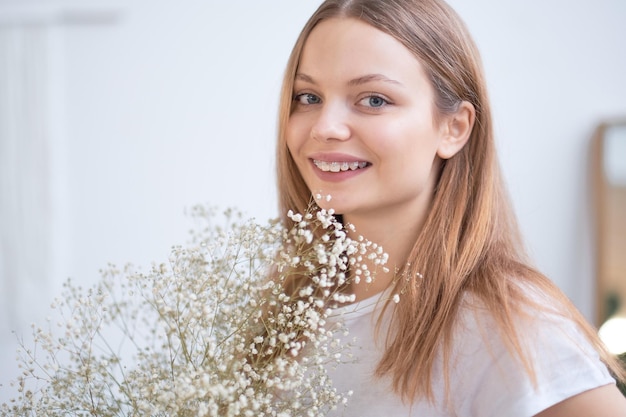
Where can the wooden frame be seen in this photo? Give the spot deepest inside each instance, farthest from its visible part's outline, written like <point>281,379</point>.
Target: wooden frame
<point>609,203</point>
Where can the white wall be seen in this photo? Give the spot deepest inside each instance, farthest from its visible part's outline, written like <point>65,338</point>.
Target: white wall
<point>158,105</point>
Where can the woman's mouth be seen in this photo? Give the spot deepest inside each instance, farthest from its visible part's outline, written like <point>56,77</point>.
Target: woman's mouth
<point>337,166</point>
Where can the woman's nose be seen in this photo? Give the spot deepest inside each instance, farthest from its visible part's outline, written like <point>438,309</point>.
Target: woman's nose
<point>332,123</point>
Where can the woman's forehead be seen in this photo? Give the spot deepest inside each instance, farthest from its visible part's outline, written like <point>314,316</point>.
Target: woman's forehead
<point>349,49</point>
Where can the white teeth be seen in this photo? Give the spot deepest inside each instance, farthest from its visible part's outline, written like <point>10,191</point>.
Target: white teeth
<point>339,166</point>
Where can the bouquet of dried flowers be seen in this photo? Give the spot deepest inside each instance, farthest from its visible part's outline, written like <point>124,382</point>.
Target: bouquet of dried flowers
<point>235,324</point>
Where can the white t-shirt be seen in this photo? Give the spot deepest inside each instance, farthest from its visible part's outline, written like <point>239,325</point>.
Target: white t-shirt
<point>485,380</point>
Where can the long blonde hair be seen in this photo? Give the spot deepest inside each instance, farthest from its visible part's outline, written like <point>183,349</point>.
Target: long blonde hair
<point>470,241</point>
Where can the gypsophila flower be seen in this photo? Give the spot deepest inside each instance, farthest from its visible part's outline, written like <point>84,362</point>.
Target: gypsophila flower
<point>210,332</point>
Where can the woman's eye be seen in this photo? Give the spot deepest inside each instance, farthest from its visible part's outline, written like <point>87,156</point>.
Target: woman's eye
<point>307,98</point>
<point>373,101</point>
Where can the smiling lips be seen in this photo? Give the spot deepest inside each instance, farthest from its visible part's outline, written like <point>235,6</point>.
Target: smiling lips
<point>339,166</point>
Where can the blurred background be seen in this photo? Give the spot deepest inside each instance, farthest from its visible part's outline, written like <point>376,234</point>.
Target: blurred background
<point>117,116</point>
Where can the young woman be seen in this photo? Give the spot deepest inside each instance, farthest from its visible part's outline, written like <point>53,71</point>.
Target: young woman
<point>384,108</point>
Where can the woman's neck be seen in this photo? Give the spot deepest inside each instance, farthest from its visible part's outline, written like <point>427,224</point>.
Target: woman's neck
<point>397,234</point>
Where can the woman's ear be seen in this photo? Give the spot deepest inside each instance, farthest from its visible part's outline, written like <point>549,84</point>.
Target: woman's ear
<point>457,128</point>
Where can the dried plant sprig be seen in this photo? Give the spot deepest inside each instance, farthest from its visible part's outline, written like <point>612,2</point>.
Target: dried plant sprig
<point>235,324</point>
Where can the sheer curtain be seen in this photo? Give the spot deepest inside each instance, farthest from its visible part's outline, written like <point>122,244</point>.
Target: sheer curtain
<point>25,187</point>
<point>34,193</point>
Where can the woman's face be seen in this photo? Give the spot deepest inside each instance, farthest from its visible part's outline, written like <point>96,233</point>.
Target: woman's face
<point>362,129</point>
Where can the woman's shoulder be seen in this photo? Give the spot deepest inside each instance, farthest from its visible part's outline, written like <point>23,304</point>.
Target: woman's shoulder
<point>536,326</point>
<point>541,358</point>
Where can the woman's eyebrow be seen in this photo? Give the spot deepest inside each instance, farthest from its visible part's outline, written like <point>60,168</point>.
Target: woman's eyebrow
<point>370,78</point>
<point>354,82</point>
<point>304,77</point>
